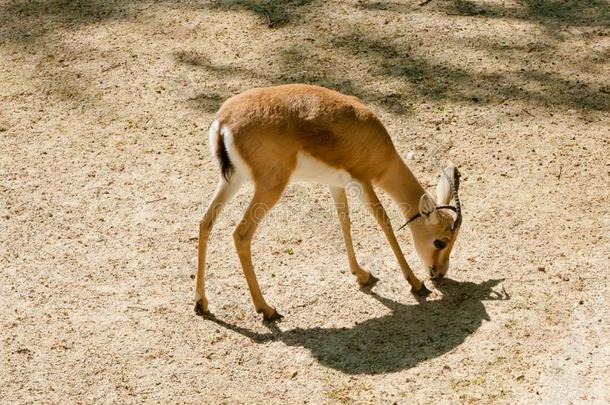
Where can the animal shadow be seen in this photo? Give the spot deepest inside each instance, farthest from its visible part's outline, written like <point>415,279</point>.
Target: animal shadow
<point>407,336</point>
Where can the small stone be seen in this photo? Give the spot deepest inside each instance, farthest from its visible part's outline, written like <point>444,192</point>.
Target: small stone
<point>541,268</point>
<point>410,156</point>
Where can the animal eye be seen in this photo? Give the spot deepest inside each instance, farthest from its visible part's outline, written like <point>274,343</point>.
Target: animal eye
<point>439,244</point>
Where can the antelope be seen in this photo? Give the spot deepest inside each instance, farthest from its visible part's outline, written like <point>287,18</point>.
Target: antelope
<point>273,136</point>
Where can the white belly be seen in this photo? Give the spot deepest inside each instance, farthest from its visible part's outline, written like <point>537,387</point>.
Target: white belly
<point>312,170</point>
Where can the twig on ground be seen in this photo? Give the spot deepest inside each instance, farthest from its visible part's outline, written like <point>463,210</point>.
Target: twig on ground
<point>137,308</point>
<point>527,112</point>
<point>158,199</point>
<point>111,67</point>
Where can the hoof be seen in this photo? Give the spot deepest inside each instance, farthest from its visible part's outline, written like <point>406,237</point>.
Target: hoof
<point>372,280</point>
<point>272,317</point>
<point>200,310</point>
<point>422,292</point>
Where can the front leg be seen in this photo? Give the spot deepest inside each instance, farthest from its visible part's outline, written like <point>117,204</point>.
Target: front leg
<point>370,199</point>
<point>340,199</point>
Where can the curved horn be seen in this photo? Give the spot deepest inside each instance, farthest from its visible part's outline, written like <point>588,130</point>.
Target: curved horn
<point>455,186</point>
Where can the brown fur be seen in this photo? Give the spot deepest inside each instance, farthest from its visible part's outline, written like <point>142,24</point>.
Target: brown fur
<point>270,127</point>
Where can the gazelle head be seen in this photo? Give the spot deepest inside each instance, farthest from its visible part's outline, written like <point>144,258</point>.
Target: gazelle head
<point>437,228</point>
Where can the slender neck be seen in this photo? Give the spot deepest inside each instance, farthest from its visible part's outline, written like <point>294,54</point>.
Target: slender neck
<point>402,186</point>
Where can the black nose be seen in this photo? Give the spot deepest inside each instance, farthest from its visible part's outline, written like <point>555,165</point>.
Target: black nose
<point>434,273</point>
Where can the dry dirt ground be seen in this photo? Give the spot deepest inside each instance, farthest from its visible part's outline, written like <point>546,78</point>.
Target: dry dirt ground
<point>104,109</point>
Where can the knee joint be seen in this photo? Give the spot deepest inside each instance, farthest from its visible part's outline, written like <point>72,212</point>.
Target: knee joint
<point>204,229</point>
<point>240,236</point>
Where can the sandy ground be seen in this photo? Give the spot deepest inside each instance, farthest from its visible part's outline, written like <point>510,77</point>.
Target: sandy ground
<point>104,108</point>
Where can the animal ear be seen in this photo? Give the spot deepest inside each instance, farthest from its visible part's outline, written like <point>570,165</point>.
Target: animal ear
<point>443,189</point>
<point>427,209</point>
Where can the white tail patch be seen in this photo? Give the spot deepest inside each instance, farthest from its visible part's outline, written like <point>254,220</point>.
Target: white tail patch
<point>242,170</point>
<point>213,137</point>
<point>310,169</point>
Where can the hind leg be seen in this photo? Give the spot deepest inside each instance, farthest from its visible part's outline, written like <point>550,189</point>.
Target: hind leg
<point>224,192</point>
<point>263,200</point>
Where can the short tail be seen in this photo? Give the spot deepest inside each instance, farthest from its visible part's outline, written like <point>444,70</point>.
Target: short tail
<point>218,145</point>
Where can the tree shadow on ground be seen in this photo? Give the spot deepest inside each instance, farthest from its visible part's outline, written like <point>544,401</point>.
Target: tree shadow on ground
<point>590,13</point>
<point>207,101</point>
<point>435,81</point>
<point>26,20</point>
<point>302,69</point>
<point>272,12</point>
<point>441,81</point>
<point>407,336</point>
